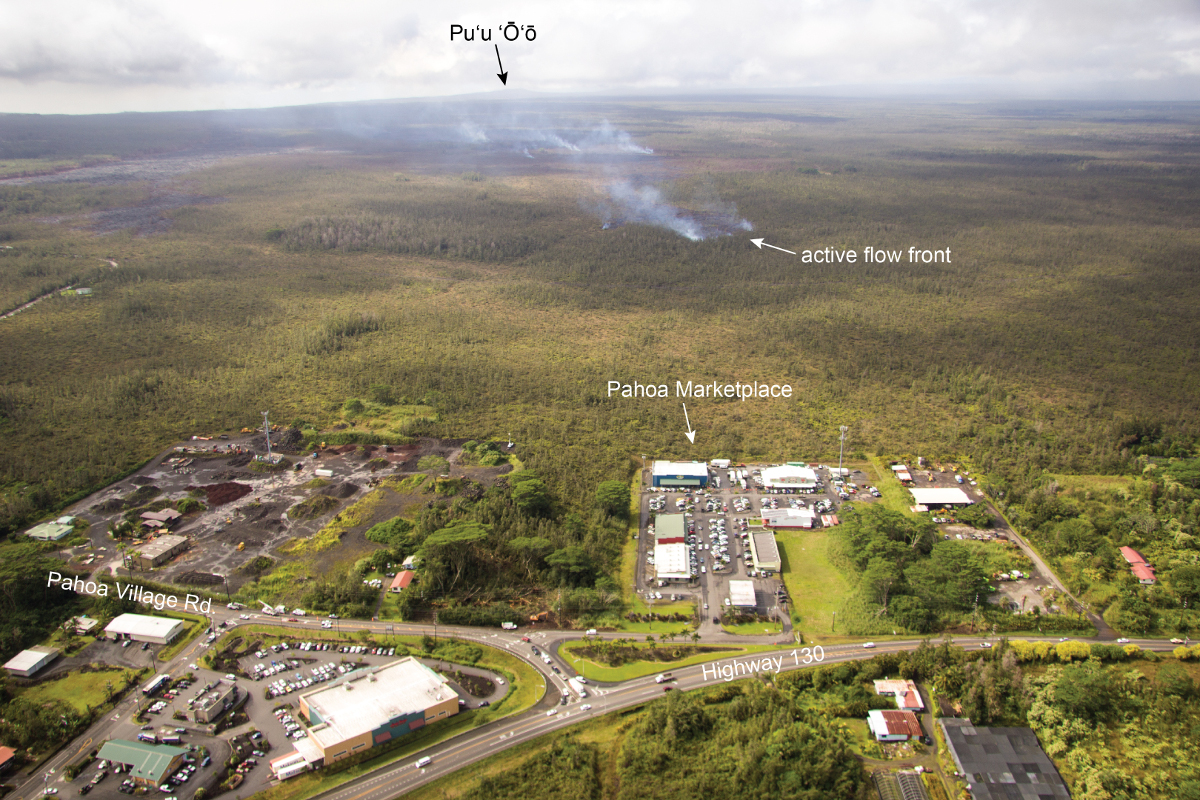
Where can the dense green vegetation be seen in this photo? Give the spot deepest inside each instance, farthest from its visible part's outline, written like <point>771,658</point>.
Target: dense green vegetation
<point>743,741</point>
<point>1080,526</point>
<point>502,548</point>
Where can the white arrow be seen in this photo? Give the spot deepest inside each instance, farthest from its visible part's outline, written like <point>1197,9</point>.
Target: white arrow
<point>759,243</point>
<point>691,434</point>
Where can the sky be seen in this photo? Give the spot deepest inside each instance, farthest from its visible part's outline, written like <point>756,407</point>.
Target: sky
<point>101,56</point>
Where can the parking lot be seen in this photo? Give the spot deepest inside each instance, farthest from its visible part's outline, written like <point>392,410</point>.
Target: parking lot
<point>718,520</point>
<point>281,672</point>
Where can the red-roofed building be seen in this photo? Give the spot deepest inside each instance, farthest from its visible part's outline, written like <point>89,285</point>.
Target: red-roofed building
<point>905,692</point>
<point>1138,565</point>
<point>893,726</point>
<point>671,540</point>
<point>401,581</point>
<point>8,758</point>
<point>1144,573</point>
<point>1132,556</point>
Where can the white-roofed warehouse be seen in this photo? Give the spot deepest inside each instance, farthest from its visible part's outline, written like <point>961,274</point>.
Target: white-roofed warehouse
<point>144,628</point>
<point>28,663</point>
<point>789,478</point>
<point>372,706</point>
<point>941,497</point>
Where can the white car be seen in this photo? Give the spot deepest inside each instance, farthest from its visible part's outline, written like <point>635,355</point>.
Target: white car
<point>1122,640</point>
<point>869,645</point>
<point>585,707</point>
<point>552,712</point>
<point>500,681</point>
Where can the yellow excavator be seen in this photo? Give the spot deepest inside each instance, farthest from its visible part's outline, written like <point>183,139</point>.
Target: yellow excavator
<point>241,546</point>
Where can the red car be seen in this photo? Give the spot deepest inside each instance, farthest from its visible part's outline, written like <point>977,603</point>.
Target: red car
<point>525,639</point>
<point>291,619</point>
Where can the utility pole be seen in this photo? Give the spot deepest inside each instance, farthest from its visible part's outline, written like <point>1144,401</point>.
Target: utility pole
<point>842,447</point>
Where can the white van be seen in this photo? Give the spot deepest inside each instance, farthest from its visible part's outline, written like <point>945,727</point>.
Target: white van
<point>423,763</point>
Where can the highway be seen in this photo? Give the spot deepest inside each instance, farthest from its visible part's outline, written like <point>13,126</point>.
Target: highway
<point>472,746</point>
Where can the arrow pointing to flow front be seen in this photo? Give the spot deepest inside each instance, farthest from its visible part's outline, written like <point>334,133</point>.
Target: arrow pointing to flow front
<point>503,76</point>
<point>759,243</point>
<point>691,434</point>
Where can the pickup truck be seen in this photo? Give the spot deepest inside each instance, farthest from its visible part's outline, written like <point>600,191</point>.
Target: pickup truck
<point>664,678</point>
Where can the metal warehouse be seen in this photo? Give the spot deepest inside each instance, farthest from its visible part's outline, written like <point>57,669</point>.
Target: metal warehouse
<point>933,498</point>
<point>28,663</point>
<point>372,706</point>
<point>1004,763</point>
<point>680,474</point>
<point>143,628</point>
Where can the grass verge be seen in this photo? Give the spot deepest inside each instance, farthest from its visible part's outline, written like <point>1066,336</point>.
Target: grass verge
<point>599,672</point>
<point>814,584</point>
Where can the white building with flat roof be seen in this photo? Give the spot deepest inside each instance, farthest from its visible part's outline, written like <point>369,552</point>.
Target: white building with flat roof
<point>371,706</point>
<point>671,562</point>
<point>144,628</point>
<point>741,594</point>
<point>789,477</point>
<point>788,517</point>
<point>941,497</point>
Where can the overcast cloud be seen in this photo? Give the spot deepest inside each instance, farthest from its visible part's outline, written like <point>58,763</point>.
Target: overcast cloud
<point>64,56</point>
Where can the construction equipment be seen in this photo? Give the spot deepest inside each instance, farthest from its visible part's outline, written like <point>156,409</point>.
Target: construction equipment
<point>268,610</point>
<point>539,617</point>
<point>241,546</point>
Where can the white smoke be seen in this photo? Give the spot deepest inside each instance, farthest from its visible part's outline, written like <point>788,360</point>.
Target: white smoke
<point>472,133</point>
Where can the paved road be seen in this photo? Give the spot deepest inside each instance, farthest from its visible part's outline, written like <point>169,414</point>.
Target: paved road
<point>389,782</point>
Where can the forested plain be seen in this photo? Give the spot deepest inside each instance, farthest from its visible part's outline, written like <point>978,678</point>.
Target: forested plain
<point>311,257</point>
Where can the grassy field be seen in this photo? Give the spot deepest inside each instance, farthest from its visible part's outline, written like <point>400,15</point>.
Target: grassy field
<point>815,585</point>
<point>83,690</point>
<point>1104,483</point>
<point>754,628</point>
<point>637,669</point>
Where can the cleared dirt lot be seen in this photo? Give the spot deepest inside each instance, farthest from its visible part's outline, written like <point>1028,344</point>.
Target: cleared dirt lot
<point>261,517</point>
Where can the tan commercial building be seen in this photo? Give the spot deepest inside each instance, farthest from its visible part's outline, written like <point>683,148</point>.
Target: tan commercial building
<point>371,706</point>
<point>160,551</point>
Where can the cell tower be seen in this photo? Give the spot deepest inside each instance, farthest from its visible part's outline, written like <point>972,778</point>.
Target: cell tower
<point>267,433</point>
<point>842,446</point>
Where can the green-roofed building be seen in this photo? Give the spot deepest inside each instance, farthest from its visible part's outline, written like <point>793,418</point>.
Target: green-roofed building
<point>150,764</point>
<point>49,531</point>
